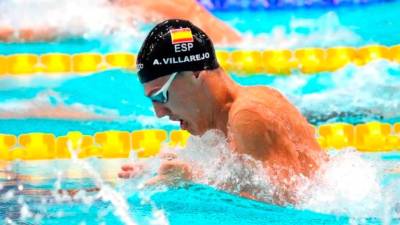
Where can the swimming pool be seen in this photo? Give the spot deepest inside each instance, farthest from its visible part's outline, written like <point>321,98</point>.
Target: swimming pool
<point>357,188</point>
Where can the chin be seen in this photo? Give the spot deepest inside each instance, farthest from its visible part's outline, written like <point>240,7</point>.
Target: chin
<point>192,131</point>
<point>196,132</point>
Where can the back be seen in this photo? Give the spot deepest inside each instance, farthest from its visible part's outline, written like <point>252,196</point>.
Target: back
<point>295,147</point>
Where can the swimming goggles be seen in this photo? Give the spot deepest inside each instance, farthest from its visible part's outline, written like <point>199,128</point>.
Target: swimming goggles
<point>161,96</point>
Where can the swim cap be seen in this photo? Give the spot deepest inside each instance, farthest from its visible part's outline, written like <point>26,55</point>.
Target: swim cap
<point>173,46</point>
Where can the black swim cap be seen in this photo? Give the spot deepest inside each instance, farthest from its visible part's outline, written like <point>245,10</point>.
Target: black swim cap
<point>174,46</point>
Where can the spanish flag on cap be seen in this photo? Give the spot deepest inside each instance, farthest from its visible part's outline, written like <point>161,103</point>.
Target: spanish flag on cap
<point>181,35</point>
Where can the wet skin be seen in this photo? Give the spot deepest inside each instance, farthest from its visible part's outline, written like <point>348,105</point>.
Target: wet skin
<point>258,121</point>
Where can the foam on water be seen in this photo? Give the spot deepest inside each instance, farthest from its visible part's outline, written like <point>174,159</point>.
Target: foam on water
<point>220,168</point>
<point>49,104</point>
<point>8,83</point>
<point>370,91</point>
<point>90,19</point>
<point>353,186</point>
<point>324,31</point>
<point>106,192</point>
<point>117,28</point>
<point>347,185</point>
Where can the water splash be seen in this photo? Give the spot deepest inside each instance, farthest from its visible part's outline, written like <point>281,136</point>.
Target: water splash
<point>373,89</point>
<point>50,104</point>
<point>221,168</point>
<point>351,185</point>
<point>324,31</point>
<point>348,185</point>
<point>106,192</point>
<point>8,83</point>
<point>89,19</point>
<point>368,92</point>
<point>117,28</point>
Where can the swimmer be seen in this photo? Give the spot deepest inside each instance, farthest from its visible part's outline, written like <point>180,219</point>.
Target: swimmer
<point>134,10</point>
<point>181,76</point>
<point>156,11</point>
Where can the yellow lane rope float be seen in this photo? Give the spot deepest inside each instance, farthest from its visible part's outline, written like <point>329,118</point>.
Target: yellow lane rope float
<point>368,137</point>
<point>280,62</point>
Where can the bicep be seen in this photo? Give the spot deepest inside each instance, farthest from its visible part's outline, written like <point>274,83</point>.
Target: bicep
<point>250,133</point>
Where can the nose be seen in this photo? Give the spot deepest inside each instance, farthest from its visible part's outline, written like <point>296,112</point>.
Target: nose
<point>160,110</point>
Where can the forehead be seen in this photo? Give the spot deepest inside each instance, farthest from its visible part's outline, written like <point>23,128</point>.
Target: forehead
<point>154,85</point>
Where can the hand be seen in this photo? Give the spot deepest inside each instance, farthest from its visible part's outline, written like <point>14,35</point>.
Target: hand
<point>172,172</point>
<point>131,170</point>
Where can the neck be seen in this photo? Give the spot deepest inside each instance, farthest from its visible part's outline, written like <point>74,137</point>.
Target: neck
<point>222,93</point>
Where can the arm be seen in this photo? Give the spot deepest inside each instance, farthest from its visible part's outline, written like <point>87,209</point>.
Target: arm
<point>253,134</point>
<point>155,11</point>
<point>172,171</point>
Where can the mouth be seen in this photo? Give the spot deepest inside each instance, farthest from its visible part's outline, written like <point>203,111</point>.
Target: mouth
<point>183,124</point>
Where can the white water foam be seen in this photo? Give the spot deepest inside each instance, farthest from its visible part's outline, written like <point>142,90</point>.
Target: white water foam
<point>50,104</point>
<point>348,184</point>
<point>325,31</point>
<point>352,186</point>
<point>220,168</point>
<point>106,192</point>
<point>371,90</point>
<point>90,18</point>
<point>36,81</point>
<point>117,28</point>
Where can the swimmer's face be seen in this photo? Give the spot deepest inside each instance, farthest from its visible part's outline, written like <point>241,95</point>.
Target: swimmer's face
<point>184,101</point>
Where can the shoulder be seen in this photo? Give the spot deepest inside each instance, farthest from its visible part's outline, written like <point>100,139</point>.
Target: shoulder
<point>249,117</point>
<point>251,104</point>
<point>250,131</point>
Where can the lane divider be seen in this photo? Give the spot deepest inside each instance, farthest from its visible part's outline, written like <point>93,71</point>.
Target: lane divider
<point>107,144</point>
<point>368,137</point>
<point>245,62</point>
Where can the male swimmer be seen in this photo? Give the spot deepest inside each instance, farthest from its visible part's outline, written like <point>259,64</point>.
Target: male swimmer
<point>150,11</point>
<point>180,73</point>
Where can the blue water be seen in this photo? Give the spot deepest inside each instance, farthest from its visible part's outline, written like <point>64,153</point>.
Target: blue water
<point>190,203</point>
<point>375,23</point>
<point>118,97</point>
<point>352,95</point>
<point>195,204</point>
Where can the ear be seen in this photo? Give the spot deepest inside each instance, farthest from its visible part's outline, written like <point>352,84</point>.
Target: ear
<point>197,74</point>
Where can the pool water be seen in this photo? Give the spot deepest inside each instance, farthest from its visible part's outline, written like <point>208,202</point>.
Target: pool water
<point>359,188</point>
<point>25,200</point>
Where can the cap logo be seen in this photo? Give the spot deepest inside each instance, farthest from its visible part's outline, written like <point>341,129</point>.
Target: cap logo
<point>182,35</point>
